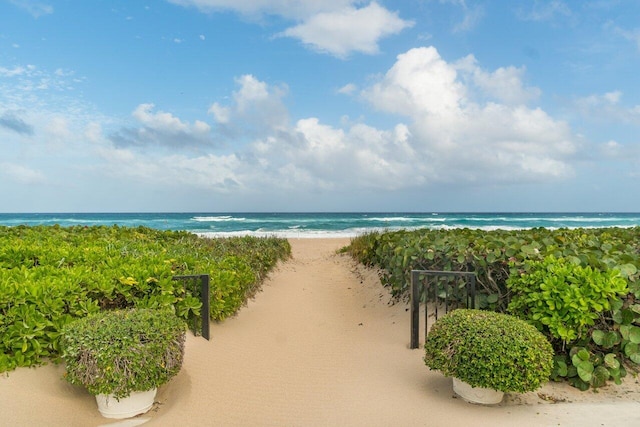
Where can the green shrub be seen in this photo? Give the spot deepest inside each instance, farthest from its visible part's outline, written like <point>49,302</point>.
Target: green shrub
<point>123,351</point>
<point>608,330</point>
<point>493,254</point>
<point>50,276</point>
<point>490,350</point>
<point>562,298</point>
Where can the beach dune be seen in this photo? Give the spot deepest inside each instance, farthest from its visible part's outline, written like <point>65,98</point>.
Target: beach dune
<point>320,346</point>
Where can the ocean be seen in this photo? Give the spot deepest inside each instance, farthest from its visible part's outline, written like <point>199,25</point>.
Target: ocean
<point>310,225</point>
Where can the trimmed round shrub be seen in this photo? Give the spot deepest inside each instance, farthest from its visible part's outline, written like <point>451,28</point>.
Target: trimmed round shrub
<point>123,351</point>
<point>490,350</point>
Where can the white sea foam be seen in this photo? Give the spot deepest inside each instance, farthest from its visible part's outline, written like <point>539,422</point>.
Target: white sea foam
<point>222,218</point>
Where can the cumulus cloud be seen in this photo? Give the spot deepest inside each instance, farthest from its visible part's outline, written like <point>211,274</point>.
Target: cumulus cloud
<point>256,108</point>
<point>336,27</point>
<point>11,121</point>
<point>504,84</point>
<point>458,125</point>
<point>348,30</point>
<point>472,141</point>
<point>162,129</point>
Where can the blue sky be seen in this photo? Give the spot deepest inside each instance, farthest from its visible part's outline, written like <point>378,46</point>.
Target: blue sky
<point>308,105</point>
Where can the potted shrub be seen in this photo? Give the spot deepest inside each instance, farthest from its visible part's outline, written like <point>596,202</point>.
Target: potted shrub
<point>488,352</point>
<point>122,356</point>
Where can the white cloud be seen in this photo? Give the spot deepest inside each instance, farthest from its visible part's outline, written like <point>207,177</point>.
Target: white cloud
<point>348,30</point>
<point>630,35</point>
<point>251,91</point>
<point>220,114</point>
<point>21,174</point>
<point>256,108</point>
<point>337,27</point>
<point>420,82</point>
<point>348,89</point>
<point>607,107</point>
<point>504,84</point>
<point>57,128</point>
<point>469,141</point>
<point>162,129</point>
<point>12,72</point>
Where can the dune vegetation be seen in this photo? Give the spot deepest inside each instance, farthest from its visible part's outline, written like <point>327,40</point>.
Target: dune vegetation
<point>50,276</point>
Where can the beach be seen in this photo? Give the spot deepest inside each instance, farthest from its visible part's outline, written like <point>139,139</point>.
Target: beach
<point>320,345</point>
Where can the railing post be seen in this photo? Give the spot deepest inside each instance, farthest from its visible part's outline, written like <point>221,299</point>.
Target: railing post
<point>204,297</point>
<point>415,309</point>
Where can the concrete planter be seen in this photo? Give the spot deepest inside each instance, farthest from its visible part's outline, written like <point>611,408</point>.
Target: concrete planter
<point>135,404</point>
<point>483,396</point>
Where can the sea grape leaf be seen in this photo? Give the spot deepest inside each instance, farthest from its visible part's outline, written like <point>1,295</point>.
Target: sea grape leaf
<point>561,369</point>
<point>585,370</point>
<point>600,376</point>
<point>611,361</point>
<point>627,270</point>
<point>634,334</point>
<point>632,351</point>
<point>598,336</point>
<point>624,317</point>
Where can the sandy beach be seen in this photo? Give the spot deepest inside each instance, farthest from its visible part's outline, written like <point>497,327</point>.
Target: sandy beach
<point>320,345</point>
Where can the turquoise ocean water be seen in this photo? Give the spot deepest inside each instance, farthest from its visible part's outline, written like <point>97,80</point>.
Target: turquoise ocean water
<point>298,225</point>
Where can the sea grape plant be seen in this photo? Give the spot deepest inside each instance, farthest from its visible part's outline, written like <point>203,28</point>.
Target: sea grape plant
<point>563,298</point>
<point>604,318</point>
<point>52,275</point>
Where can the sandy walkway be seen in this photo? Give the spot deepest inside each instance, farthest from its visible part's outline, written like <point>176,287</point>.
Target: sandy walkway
<point>319,346</point>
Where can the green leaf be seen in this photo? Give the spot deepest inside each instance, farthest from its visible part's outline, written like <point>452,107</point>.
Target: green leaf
<point>627,270</point>
<point>634,334</point>
<point>600,376</point>
<point>611,361</point>
<point>561,369</point>
<point>598,336</point>
<point>585,370</point>
<point>493,298</point>
<point>632,351</point>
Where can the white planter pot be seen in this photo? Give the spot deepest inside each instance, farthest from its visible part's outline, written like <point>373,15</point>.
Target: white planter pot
<point>484,396</point>
<point>135,404</point>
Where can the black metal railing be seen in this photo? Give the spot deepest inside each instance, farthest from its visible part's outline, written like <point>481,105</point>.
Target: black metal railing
<point>446,289</point>
<point>198,285</point>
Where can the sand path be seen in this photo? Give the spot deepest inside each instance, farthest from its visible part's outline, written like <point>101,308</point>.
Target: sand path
<point>319,346</point>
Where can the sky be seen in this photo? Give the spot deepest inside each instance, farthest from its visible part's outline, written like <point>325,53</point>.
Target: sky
<point>309,105</point>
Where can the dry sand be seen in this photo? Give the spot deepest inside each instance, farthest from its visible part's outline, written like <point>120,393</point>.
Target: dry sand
<point>319,346</point>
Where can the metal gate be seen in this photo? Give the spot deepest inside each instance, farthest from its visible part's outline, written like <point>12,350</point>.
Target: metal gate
<point>450,294</point>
